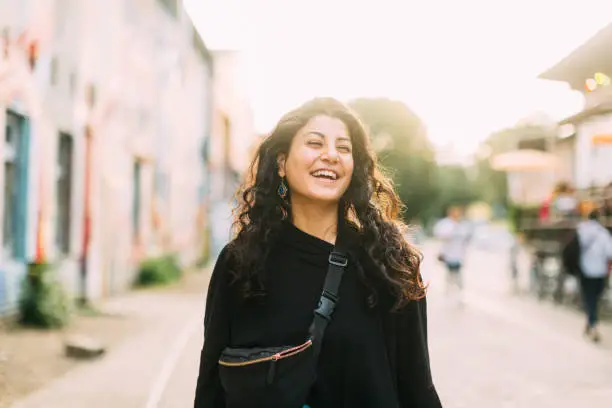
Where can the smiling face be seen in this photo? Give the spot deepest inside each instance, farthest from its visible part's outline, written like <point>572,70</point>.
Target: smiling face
<point>319,164</point>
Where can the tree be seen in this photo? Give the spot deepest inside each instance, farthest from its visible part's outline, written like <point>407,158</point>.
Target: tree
<point>492,185</point>
<point>400,140</point>
<point>455,186</point>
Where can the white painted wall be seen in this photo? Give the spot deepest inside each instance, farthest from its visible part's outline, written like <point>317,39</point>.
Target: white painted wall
<point>530,188</point>
<point>593,163</point>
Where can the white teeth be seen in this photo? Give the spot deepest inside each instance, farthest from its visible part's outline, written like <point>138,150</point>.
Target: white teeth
<point>325,173</point>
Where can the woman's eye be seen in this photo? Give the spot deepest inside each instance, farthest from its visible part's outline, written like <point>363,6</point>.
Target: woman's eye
<point>315,143</point>
<point>345,149</point>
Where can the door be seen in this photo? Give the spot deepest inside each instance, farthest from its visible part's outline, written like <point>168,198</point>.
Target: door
<point>14,212</point>
<point>15,186</point>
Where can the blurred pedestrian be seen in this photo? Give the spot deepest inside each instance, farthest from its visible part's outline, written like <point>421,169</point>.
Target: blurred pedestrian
<point>455,233</point>
<point>565,202</point>
<point>515,250</point>
<point>595,254</point>
<point>317,228</point>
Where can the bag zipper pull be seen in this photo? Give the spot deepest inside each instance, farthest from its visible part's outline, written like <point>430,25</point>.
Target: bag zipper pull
<point>272,369</point>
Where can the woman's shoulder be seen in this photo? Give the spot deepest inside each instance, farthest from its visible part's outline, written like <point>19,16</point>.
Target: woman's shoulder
<point>222,265</point>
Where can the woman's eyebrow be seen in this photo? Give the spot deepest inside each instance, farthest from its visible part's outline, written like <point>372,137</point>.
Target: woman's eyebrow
<point>314,132</point>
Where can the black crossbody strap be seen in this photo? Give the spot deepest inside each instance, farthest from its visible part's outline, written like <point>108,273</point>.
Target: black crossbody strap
<point>338,261</point>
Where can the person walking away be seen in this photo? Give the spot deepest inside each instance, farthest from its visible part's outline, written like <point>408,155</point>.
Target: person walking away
<point>595,254</point>
<point>455,234</point>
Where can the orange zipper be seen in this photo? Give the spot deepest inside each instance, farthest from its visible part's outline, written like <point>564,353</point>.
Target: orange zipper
<point>278,356</point>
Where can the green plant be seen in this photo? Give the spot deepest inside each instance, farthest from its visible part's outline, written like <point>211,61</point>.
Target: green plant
<point>518,214</point>
<point>43,303</point>
<point>158,271</point>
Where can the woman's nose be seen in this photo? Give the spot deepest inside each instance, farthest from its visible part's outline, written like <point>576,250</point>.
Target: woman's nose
<point>331,154</point>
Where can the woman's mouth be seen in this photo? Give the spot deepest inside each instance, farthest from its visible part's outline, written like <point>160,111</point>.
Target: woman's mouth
<point>325,175</point>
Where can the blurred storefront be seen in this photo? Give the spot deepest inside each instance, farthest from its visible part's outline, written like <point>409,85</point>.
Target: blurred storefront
<point>233,136</point>
<point>587,136</point>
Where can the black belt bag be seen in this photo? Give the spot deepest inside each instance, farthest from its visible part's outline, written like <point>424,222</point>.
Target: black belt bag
<point>281,377</point>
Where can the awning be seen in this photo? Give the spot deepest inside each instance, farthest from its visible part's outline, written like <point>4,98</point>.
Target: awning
<point>600,109</point>
<point>524,161</point>
<point>591,57</point>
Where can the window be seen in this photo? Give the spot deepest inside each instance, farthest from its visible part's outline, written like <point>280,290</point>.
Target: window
<point>91,95</point>
<point>72,83</point>
<point>54,71</point>
<point>533,144</point>
<point>12,179</point>
<point>6,40</point>
<point>64,192</point>
<point>136,198</point>
<point>171,6</point>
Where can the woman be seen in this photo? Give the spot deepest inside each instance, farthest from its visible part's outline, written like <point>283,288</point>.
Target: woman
<point>311,177</point>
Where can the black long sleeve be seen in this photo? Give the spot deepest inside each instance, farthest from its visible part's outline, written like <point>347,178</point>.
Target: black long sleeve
<point>354,368</point>
<point>209,393</point>
<point>414,380</point>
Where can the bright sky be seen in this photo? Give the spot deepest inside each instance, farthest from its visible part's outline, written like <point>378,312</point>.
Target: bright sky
<point>465,67</point>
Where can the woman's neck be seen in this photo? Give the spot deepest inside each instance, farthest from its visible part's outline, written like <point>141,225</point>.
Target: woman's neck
<point>319,221</point>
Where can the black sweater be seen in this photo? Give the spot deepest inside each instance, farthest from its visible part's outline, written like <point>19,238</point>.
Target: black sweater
<point>368,359</point>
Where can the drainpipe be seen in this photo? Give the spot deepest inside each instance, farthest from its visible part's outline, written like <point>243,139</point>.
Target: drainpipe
<point>39,252</point>
<point>86,238</point>
<point>90,101</point>
<point>40,255</point>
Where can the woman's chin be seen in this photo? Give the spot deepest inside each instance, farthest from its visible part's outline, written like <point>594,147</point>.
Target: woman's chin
<point>322,197</point>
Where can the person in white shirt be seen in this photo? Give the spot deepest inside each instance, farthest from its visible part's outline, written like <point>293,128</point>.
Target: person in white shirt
<point>565,203</point>
<point>455,233</point>
<point>595,254</point>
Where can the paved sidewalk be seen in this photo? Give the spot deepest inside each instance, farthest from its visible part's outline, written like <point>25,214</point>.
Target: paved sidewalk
<point>506,350</point>
<point>129,374</point>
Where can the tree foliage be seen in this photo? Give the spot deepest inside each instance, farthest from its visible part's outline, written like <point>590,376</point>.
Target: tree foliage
<point>456,185</point>
<point>400,140</point>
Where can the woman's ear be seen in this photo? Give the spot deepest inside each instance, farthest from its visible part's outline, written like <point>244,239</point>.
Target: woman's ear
<point>280,162</point>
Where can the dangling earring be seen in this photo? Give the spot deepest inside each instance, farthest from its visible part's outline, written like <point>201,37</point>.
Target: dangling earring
<point>283,189</point>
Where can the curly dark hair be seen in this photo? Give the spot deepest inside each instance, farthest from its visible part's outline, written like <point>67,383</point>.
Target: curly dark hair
<point>370,205</point>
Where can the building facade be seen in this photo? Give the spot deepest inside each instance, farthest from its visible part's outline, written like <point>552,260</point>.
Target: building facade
<point>233,136</point>
<point>588,69</point>
<point>107,107</point>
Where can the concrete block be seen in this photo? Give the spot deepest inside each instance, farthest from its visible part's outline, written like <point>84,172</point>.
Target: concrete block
<point>83,347</point>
